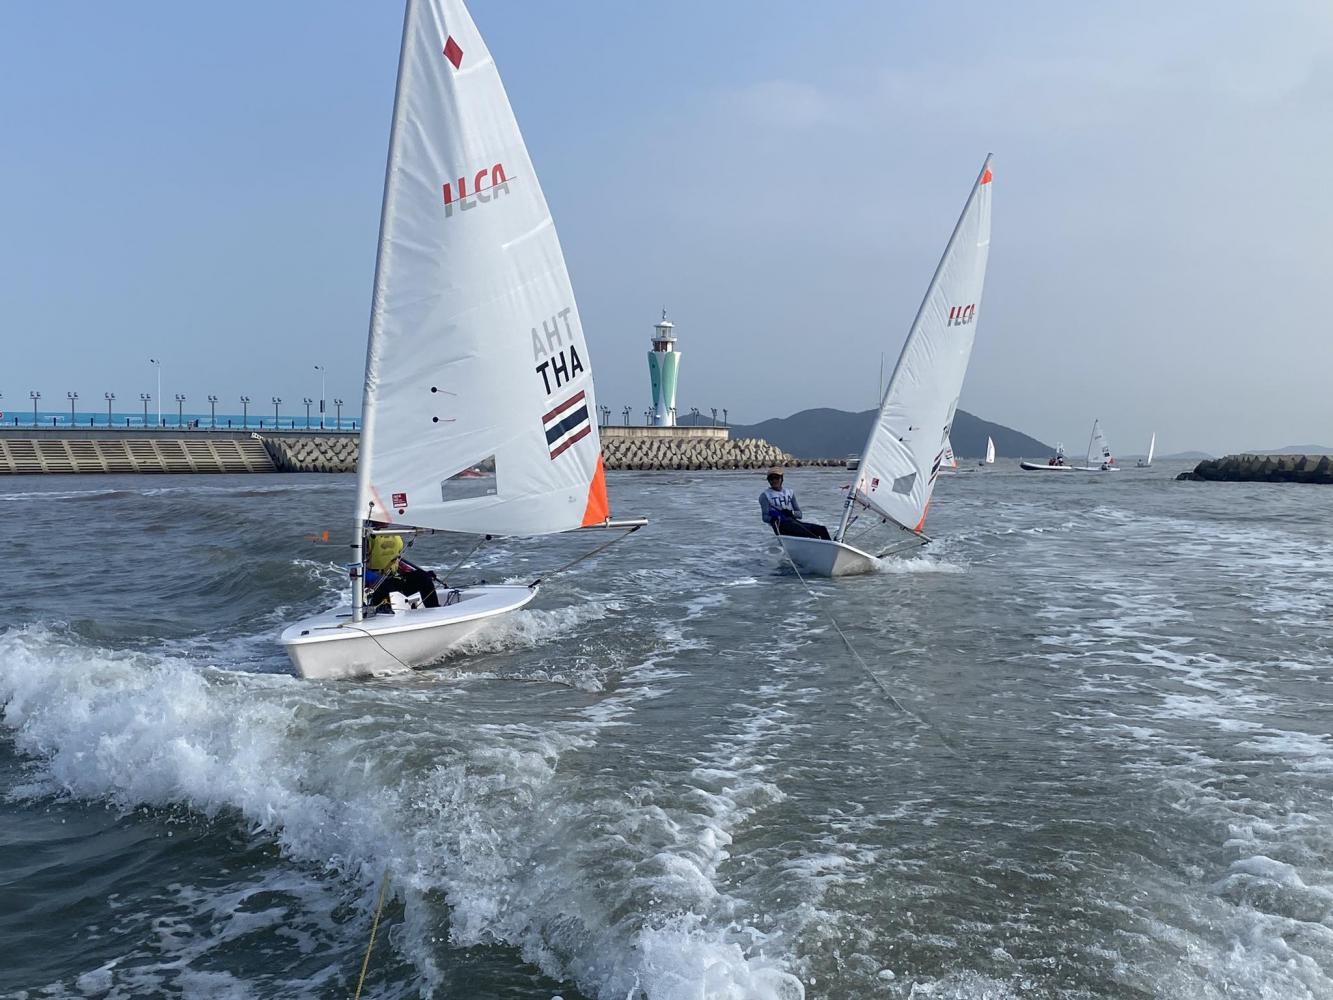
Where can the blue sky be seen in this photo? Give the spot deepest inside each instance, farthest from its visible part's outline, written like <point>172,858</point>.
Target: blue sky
<point>202,182</point>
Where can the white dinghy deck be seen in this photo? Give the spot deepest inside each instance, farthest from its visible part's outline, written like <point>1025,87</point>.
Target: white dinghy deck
<point>332,646</point>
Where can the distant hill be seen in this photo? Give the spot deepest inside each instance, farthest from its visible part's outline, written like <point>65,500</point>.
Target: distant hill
<point>825,433</point>
<point>1297,449</point>
<point>1181,456</point>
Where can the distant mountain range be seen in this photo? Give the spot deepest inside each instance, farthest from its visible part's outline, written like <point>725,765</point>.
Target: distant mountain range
<point>826,433</point>
<point>1297,449</point>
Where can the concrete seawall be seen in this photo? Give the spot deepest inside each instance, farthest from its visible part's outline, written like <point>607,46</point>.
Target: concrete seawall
<point>1264,469</point>
<point>39,450</point>
<point>58,450</point>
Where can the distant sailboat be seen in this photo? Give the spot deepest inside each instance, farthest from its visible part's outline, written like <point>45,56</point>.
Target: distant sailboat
<point>905,449</point>
<point>990,452</point>
<point>1099,452</point>
<point>1152,445</point>
<point>478,407</point>
<point>950,460</point>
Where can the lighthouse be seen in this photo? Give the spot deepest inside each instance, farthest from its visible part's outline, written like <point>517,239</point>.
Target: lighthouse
<point>664,367</point>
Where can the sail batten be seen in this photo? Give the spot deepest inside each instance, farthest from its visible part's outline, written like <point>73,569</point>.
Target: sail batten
<point>909,440</point>
<point>479,413</point>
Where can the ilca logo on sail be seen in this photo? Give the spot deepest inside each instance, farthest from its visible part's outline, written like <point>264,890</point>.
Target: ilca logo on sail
<point>962,315</point>
<point>487,183</point>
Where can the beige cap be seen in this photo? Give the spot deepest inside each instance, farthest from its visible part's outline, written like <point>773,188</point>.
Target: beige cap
<point>776,471</point>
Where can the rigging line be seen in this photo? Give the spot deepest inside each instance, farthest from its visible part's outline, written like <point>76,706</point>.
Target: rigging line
<point>575,562</point>
<point>371,636</point>
<point>466,556</point>
<point>374,926</point>
<point>866,667</point>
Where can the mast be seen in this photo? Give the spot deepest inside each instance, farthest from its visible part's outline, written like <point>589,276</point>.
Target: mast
<point>1091,438</point>
<point>916,322</point>
<point>376,321</point>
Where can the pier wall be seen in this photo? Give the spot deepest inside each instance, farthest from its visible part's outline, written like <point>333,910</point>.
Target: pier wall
<point>1264,469</point>
<point>38,450</point>
<point>180,450</point>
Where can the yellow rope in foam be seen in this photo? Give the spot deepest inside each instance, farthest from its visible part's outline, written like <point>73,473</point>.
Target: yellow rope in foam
<point>374,926</point>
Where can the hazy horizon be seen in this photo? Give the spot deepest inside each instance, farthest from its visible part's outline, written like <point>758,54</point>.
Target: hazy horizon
<point>206,190</point>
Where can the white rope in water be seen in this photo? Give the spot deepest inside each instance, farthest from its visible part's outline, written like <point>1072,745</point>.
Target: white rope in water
<point>865,666</point>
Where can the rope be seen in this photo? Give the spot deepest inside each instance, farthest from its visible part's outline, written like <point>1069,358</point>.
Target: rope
<point>466,556</point>
<point>374,926</point>
<point>865,666</point>
<point>574,562</point>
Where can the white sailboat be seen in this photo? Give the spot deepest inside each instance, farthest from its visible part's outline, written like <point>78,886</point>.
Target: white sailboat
<point>478,408</point>
<point>1099,452</point>
<point>905,449</point>
<point>1152,445</point>
<point>990,452</point>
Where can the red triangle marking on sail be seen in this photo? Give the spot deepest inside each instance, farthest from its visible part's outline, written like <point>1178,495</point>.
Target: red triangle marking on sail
<point>599,507</point>
<point>452,52</point>
<point>985,176</point>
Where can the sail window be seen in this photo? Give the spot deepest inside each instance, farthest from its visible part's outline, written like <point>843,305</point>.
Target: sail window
<point>477,480</point>
<point>904,484</point>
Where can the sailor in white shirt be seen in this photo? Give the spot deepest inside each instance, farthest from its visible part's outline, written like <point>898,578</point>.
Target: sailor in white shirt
<point>782,512</point>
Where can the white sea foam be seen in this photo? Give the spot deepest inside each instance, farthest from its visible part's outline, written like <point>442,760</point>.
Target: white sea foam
<point>487,820</point>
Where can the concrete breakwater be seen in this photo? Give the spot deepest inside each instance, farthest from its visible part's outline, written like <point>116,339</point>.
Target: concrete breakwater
<point>57,450</point>
<point>1264,469</point>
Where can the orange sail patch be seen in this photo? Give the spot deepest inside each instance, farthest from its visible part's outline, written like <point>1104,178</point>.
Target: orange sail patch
<point>986,176</point>
<point>599,507</point>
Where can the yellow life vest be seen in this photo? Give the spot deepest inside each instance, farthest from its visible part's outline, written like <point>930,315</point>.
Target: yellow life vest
<point>384,553</point>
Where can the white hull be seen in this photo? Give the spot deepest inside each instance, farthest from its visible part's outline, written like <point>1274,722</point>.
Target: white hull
<point>816,557</point>
<point>330,645</point>
<point>1035,467</point>
<point>1043,467</point>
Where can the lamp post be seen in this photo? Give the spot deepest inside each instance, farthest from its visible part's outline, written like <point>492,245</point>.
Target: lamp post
<point>72,396</point>
<point>245,412</point>
<point>724,416</point>
<point>34,395</point>
<point>625,411</point>
<point>714,409</point>
<point>307,400</point>
<point>647,417</point>
<point>212,410</point>
<point>694,413</point>
<point>144,397</point>
<point>320,369</point>
<point>156,363</point>
<point>276,401</point>
<point>180,409</point>
<point>339,419</point>
<point>109,397</point>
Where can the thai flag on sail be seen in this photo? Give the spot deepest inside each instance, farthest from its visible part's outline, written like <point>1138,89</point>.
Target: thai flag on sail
<point>567,423</point>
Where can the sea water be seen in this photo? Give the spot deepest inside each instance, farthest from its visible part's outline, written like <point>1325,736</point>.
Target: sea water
<point>1087,753</point>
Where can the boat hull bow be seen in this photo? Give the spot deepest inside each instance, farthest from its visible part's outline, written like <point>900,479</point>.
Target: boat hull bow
<point>816,557</point>
<point>331,646</point>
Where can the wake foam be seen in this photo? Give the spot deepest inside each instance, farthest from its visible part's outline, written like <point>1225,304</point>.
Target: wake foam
<point>482,816</point>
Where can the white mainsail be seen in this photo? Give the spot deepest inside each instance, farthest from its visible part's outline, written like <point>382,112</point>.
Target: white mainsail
<point>1099,452</point>
<point>990,451</point>
<point>906,446</point>
<point>1152,445</point>
<point>479,414</point>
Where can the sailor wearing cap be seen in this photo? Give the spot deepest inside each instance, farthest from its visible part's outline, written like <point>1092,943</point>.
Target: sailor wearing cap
<point>783,513</point>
